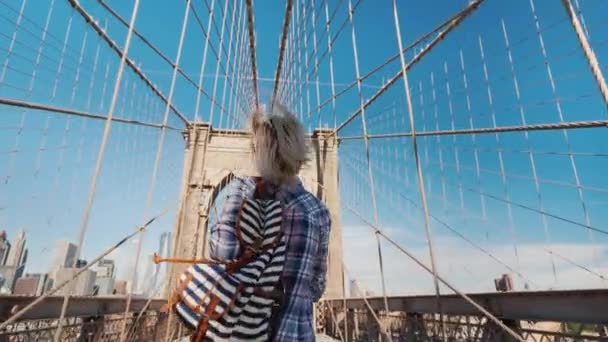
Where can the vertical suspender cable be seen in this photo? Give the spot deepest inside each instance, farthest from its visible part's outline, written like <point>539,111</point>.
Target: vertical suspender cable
<point>106,134</point>
<point>159,152</point>
<point>277,75</point>
<point>427,223</point>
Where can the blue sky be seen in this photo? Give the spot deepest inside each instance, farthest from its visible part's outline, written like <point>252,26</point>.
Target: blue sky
<point>44,185</point>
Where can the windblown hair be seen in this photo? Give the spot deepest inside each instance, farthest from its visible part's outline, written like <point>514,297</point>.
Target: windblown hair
<point>279,144</point>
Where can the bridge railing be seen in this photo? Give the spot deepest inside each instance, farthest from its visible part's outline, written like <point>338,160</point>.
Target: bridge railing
<point>536,316</point>
<point>86,319</point>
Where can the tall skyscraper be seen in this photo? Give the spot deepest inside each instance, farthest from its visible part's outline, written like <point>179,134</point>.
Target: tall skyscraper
<point>145,276</point>
<point>17,252</point>
<point>64,258</point>
<point>64,255</point>
<point>14,265</point>
<point>164,250</point>
<point>5,247</point>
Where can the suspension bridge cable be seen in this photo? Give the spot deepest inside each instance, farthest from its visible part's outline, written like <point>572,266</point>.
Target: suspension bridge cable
<point>419,173</point>
<point>238,66</point>
<point>332,41</point>
<point>100,156</point>
<point>481,309</point>
<point>254,68</point>
<point>588,51</point>
<point>314,47</point>
<point>218,58</point>
<point>542,153</point>
<point>501,163</point>
<point>203,62</point>
<point>529,208</point>
<point>232,57</point>
<point>371,310</point>
<point>277,74</point>
<point>574,263</point>
<point>157,159</point>
<point>483,250</point>
<point>479,247</point>
<point>75,112</point>
<point>335,320</point>
<point>32,81</point>
<point>460,235</point>
<point>370,173</point>
<point>120,52</point>
<point>469,241</point>
<point>148,43</point>
<point>305,16</point>
<point>491,130</point>
<point>329,19</point>
<point>565,134</point>
<point>440,36</point>
<point>386,62</point>
<point>44,42</point>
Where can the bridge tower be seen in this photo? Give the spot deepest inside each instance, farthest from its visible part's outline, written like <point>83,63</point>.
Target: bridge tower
<point>214,156</point>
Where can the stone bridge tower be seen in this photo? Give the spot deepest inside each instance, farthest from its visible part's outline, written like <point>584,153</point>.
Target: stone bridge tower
<point>213,157</point>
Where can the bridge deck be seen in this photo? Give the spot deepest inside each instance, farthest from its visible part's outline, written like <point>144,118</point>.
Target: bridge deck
<point>585,306</point>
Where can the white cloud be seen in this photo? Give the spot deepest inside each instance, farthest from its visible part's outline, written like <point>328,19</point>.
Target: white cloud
<point>467,268</point>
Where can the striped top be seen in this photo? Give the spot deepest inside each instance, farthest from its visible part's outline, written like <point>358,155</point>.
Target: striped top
<point>306,225</point>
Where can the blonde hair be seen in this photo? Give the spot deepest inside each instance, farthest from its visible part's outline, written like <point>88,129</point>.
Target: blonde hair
<point>279,144</point>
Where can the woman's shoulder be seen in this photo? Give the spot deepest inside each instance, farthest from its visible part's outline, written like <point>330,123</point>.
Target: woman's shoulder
<point>241,185</point>
<point>312,205</point>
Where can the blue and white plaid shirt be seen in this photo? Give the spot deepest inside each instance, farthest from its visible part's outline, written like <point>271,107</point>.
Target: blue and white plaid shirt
<point>306,224</point>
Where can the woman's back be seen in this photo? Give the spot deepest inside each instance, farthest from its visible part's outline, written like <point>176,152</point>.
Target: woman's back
<point>306,225</point>
<point>279,147</point>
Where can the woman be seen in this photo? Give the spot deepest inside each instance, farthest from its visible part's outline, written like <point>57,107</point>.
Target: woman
<point>279,151</point>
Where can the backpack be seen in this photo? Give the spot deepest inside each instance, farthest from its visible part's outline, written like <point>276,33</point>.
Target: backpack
<point>236,300</point>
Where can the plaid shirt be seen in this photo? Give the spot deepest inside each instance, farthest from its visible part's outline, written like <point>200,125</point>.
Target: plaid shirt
<point>306,224</point>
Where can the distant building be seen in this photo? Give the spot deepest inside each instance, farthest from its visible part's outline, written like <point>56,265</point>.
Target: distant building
<point>105,277</point>
<point>26,286</point>
<point>355,291</point>
<point>83,285</point>
<point>105,286</point>
<point>120,287</point>
<point>64,255</point>
<point>17,253</point>
<point>5,247</point>
<point>145,280</point>
<point>10,274</point>
<point>164,251</point>
<point>31,285</point>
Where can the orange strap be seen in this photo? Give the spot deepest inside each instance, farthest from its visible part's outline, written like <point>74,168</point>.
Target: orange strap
<point>157,260</point>
<point>176,295</point>
<point>203,323</point>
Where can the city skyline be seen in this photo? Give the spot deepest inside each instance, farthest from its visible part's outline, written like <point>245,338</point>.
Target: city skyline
<point>100,279</point>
